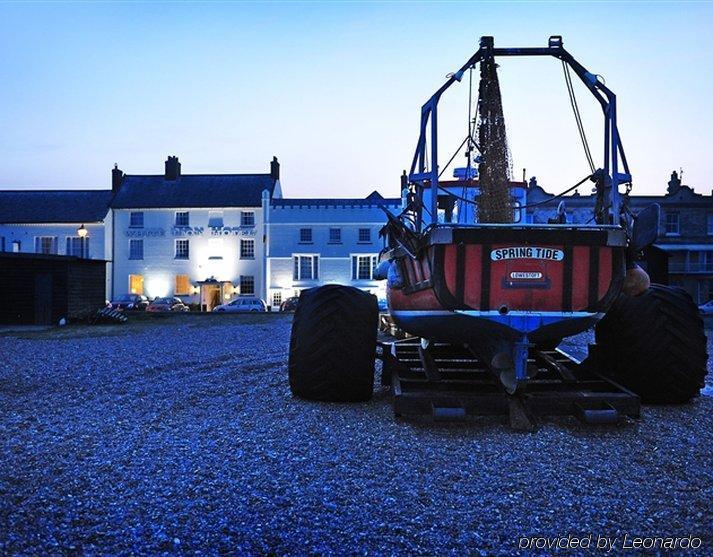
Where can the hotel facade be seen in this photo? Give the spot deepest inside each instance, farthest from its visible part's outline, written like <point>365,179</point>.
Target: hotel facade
<point>208,238</point>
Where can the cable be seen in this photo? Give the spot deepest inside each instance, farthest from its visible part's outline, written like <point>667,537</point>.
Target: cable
<point>577,115</point>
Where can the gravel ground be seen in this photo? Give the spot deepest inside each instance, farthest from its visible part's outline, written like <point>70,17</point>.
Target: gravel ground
<point>183,437</point>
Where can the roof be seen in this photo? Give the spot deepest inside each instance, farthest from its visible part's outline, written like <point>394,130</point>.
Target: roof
<point>193,191</point>
<point>370,201</point>
<point>54,206</point>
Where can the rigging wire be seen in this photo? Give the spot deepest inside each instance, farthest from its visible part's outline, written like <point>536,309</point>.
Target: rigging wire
<point>577,115</point>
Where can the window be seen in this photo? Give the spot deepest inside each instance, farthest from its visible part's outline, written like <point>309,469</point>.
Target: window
<point>305,235</point>
<point>709,223</point>
<point>2,243</point>
<point>363,267</point>
<point>182,249</point>
<point>306,267</point>
<point>46,245</point>
<point>215,219</point>
<point>136,249</point>
<point>78,247</point>
<point>365,235</point>
<point>182,218</point>
<point>247,248</point>
<point>672,224</point>
<point>183,286</point>
<point>247,218</point>
<point>136,284</point>
<point>136,219</point>
<point>16,246</point>
<point>335,235</point>
<point>247,285</point>
<point>215,248</point>
<point>277,299</point>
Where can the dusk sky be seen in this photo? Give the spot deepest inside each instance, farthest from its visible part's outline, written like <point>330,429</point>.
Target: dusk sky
<point>334,89</point>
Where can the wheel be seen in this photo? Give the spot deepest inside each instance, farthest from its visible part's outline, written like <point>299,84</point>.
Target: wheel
<point>333,344</point>
<point>654,344</point>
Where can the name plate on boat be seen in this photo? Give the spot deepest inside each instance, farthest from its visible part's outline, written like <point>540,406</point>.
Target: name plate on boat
<point>527,252</point>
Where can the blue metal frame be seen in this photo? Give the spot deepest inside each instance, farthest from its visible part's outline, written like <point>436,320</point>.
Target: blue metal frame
<point>426,181</point>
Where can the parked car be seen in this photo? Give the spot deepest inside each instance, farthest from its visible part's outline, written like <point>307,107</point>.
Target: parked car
<point>707,308</point>
<point>170,303</point>
<point>129,301</point>
<point>290,304</point>
<point>242,305</point>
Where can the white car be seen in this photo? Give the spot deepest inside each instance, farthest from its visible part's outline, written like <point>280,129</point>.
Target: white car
<point>707,308</point>
<point>242,305</point>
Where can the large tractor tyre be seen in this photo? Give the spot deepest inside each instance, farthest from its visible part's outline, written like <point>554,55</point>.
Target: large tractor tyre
<point>654,345</point>
<point>333,344</point>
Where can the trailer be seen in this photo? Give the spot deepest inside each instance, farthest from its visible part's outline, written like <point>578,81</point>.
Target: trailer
<point>489,298</point>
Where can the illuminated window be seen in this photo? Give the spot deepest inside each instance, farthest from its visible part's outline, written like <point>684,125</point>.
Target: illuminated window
<point>183,286</point>
<point>363,267</point>
<point>46,245</point>
<point>77,246</point>
<point>672,227</point>
<point>305,235</point>
<point>215,248</point>
<point>182,249</point>
<point>277,299</point>
<point>136,249</point>
<point>247,218</point>
<point>182,218</point>
<point>335,235</point>
<point>365,235</point>
<point>247,285</point>
<point>215,219</point>
<point>247,248</point>
<point>16,246</point>
<point>136,219</point>
<point>306,267</point>
<point>136,284</point>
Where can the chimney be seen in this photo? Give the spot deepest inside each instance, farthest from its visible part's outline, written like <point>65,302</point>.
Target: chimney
<point>116,178</point>
<point>274,169</point>
<point>173,168</point>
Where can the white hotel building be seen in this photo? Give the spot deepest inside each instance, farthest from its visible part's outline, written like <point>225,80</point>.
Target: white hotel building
<point>204,238</point>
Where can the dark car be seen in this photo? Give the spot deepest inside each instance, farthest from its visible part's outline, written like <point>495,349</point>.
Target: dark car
<point>129,301</point>
<point>170,303</point>
<point>290,304</point>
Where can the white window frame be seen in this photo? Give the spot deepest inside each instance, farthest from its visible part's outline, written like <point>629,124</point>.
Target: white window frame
<point>180,256</point>
<point>368,232</point>
<point>188,218</point>
<point>338,238</point>
<point>297,270</point>
<point>678,224</point>
<point>277,298</point>
<point>139,216</point>
<point>246,242</point>
<point>242,279</point>
<point>137,242</point>
<point>53,249</point>
<point>16,246</point>
<point>308,232</point>
<point>83,246</point>
<point>215,248</point>
<point>247,215</point>
<point>354,263</point>
<point>214,217</point>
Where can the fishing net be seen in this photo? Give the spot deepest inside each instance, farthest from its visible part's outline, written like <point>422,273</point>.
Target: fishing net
<point>494,170</point>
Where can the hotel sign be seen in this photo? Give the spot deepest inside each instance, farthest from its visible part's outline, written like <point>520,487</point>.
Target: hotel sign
<point>180,231</point>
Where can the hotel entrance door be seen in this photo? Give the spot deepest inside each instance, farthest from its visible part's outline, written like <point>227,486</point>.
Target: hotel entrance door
<point>211,295</point>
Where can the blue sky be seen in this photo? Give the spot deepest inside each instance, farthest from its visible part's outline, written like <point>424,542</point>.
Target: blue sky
<point>334,89</point>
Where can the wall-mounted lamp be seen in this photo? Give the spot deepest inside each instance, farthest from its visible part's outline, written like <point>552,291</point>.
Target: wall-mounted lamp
<point>82,232</point>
